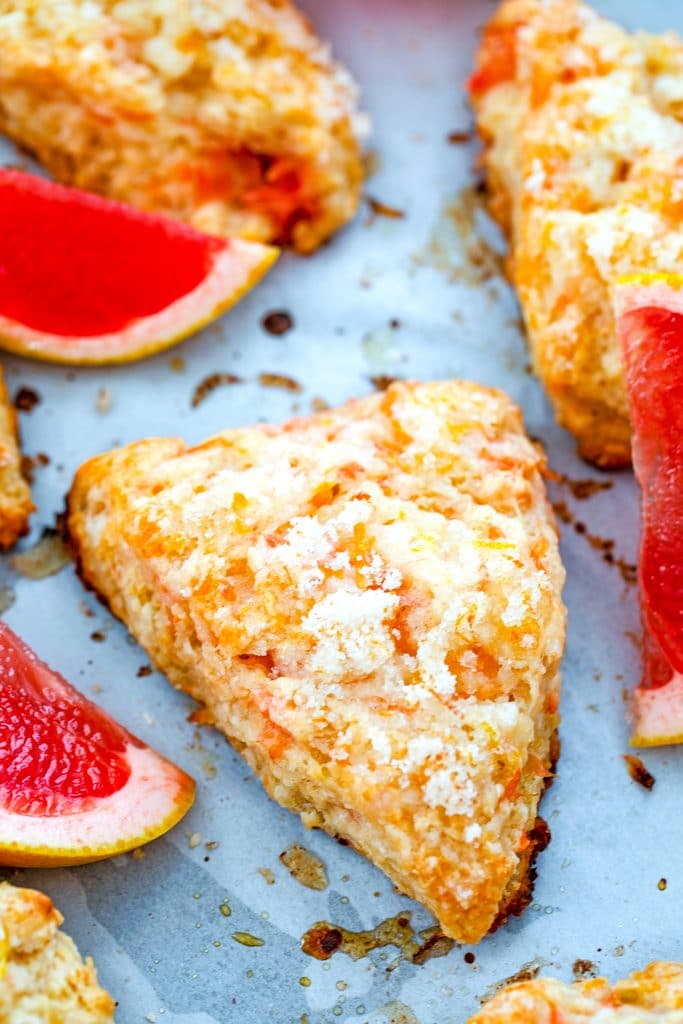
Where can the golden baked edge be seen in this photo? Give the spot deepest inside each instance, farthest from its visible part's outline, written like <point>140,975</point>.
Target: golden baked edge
<point>15,496</point>
<point>651,996</point>
<point>42,975</point>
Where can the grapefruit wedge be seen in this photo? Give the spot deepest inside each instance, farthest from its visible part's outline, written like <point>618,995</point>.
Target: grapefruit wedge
<point>75,786</point>
<point>88,280</point>
<point>649,309</point>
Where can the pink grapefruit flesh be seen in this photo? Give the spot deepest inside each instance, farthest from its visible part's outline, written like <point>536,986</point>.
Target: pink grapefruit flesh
<point>87,280</point>
<point>74,785</point>
<point>650,324</point>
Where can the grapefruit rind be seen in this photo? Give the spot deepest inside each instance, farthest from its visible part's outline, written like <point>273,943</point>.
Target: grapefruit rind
<point>657,711</point>
<point>154,799</point>
<point>658,714</point>
<point>634,291</point>
<point>235,270</point>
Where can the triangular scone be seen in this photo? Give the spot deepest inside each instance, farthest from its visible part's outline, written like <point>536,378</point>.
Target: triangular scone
<point>232,116</point>
<point>652,996</point>
<point>583,129</point>
<point>15,497</point>
<point>42,975</point>
<point>368,603</point>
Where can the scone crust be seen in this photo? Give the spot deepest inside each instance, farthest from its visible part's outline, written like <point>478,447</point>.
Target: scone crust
<point>198,110</point>
<point>368,603</point>
<point>15,496</point>
<point>652,996</point>
<point>42,976</point>
<point>583,149</point>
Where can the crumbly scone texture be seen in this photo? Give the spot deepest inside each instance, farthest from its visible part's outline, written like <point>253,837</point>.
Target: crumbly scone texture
<point>15,496</point>
<point>367,602</point>
<point>652,996</point>
<point>232,116</point>
<point>583,133</point>
<point>42,976</point>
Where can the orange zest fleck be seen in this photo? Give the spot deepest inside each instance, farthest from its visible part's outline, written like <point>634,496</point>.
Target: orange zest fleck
<point>497,59</point>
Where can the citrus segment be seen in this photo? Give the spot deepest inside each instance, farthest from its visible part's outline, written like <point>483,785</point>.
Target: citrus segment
<point>74,785</point>
<point>650,324</point>
<point>89,280</point>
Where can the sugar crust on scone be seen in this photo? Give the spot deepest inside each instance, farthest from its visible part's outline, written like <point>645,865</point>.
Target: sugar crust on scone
<point>42,975</point>
<point>15,496</point>
<point>583,154</point>
<point>231,116</point>
<point>368,603</point>
<point>652,996</point>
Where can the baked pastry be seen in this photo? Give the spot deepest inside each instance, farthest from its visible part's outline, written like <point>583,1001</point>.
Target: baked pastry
<point>42,976</point>
<point>15,497</point>
<point>652,996</point>
<point>367,601</point>
<point>232,117</point>
<point>583,153</point>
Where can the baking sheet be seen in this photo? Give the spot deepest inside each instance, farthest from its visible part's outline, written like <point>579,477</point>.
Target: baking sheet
<point>154,926</point>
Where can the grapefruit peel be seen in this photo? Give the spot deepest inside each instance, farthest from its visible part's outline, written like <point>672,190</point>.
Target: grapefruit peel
<point>642,304</point>
<point>46,825</point>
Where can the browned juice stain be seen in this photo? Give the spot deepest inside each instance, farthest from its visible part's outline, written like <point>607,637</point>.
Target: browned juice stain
<point>527,972</point>
<point>584,969</point>
<point>581,489</point>
<point>47,557</point>
<point>604,545</point>
<point>305,867</point>
<point>457,247</point>
<point>324,939</point>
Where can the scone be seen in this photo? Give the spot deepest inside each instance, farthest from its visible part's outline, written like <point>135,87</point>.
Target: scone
<point>367,602</point>
<point>583,156</point>
<point>15,497</point>
<point>652,996</point>
<point>231,116</point>
<point>42,976</point>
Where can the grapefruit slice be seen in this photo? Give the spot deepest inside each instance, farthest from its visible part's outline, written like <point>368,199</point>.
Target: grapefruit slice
<point>89,280</point>
<point>74,785</point>
<point>649,309</point>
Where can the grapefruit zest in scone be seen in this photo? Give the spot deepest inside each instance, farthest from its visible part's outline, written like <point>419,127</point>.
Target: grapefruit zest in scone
<point>367,602</point>
<point>582,125</point>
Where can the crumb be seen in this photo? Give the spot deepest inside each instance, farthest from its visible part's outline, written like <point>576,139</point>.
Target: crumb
<point>277,322</point>
<point>459,138</point>
<point>209,384</point>
<point>26,399</point>
<point>379,209</point>
<point>279,380</point>
<point>638,771</point>
<point>103,401</point>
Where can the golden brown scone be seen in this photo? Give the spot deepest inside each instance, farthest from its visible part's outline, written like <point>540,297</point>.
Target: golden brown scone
<point>368,603</point>
<point>15,496</point>
<point>42,976</point>
<point>231,116</point>
<point>652,996</point>
<point>584,160</point>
